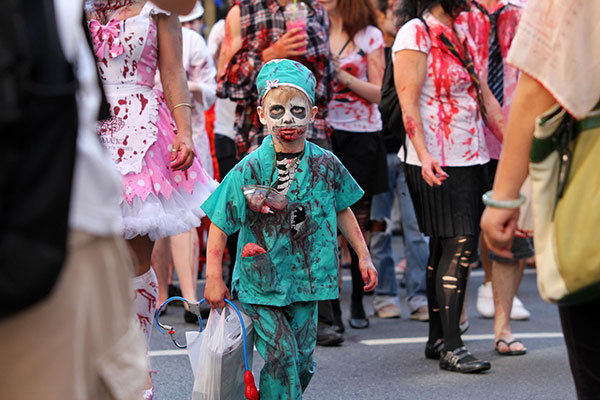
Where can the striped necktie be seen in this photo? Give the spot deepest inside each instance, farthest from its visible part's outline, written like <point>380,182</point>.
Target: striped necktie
<point>495,61</point>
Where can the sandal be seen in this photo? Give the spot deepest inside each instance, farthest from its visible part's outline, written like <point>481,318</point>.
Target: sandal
<point>509,352</point>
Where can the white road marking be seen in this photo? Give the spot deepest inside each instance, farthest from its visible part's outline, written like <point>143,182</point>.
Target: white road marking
<point>408,340</point>
<point>423,339</point>
<point>167,353</point>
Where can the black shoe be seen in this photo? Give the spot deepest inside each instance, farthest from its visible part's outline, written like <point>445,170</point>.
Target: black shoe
<point>326,336</point>
<point>190,317</point>
<point>433,351</point>
<point>174,291</point>
<point>461,360</point>
<point>358,317</point>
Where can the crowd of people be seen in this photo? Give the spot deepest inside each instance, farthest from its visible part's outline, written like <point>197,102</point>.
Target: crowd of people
<point>272,136</point>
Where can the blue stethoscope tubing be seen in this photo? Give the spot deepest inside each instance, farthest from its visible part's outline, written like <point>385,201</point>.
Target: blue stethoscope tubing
<point>171,331</point>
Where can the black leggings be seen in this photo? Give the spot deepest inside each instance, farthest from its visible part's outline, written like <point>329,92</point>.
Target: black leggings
<point>580,324</point>
<point>447,275</point>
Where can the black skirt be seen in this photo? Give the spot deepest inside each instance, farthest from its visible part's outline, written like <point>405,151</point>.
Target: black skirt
<point>453,209</point>
<point>363,154</point>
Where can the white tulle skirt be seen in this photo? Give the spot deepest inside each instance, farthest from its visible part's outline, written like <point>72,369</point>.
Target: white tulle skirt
<point>158,217</point>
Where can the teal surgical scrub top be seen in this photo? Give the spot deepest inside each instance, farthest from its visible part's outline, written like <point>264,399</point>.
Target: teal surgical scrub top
<point>301,259</point>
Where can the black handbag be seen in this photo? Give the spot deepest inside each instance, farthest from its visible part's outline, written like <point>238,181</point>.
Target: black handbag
<point>393,133</point>
<point>38,132</point>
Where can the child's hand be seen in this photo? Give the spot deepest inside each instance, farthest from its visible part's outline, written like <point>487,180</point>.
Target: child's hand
<point>215,292</point>
<point>368,273</point>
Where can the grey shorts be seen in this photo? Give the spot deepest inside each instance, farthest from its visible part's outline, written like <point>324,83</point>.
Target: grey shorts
<point>521,248</point>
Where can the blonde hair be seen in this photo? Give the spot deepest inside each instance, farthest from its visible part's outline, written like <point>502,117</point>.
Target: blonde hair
<point>285,93</point>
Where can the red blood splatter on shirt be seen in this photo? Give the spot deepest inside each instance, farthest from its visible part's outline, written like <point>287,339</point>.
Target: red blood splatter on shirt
<point>122,102</point>
<point>143,100</point>
<point>116,110</point>
<point>120,153</point>
<point>125,140</point>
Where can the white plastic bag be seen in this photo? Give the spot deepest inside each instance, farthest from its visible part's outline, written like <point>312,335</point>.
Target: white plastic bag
<point>217,356</point>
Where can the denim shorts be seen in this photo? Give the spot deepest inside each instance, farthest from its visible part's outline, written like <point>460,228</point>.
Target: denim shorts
<point>521,248</point>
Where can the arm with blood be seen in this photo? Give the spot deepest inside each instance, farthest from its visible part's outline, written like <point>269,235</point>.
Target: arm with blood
<point>215,290</point>
<point>410,69</point>
<point>232,42</point>
<point>347,224</point>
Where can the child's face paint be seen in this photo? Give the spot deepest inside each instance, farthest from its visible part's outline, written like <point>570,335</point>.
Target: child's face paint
<point>286,117</point>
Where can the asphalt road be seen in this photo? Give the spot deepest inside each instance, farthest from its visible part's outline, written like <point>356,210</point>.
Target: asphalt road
<point>386,360</point>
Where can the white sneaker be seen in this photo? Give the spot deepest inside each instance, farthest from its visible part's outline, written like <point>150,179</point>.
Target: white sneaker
<point>485,300</point>
<point>518,311</point>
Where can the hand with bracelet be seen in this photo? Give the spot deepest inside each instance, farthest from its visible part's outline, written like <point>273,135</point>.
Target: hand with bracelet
<point>182,150</point>
<point>174,83</point>
<point>499,222</point>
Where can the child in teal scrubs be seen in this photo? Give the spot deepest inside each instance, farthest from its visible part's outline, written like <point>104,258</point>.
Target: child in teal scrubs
<point>288,198</point>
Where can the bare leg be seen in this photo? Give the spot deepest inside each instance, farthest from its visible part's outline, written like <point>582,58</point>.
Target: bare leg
<point>485,261</point>
<point>142,248</point>
<point>161,262</point>
<point>505,280</point>
<point>185,251</point>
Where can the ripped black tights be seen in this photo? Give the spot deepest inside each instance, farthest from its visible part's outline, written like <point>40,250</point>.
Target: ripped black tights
<point>447,275</point>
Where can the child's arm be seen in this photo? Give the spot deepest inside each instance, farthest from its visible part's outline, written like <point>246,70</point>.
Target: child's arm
<point>215,290</point>
<point>349,227</point>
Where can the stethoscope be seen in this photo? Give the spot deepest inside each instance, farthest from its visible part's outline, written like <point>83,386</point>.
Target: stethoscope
<point>194,307</point>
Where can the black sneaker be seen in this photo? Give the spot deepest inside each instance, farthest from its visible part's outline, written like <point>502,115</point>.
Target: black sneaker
<point>461,360</point>
<point>326,336</point>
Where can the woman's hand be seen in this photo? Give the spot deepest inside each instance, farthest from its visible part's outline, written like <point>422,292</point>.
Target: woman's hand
<point>498,226</point>
<point>215,292</point>
<point>182,152</point>
<point>368,273</point>
<point>431,171</point>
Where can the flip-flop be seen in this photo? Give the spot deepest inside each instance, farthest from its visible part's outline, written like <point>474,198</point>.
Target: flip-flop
<point>509,352</point>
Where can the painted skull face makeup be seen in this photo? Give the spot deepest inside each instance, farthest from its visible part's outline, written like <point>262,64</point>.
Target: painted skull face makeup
<point>286,115</point>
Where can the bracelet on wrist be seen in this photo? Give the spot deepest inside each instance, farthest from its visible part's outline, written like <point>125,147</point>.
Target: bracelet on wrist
<point>507,204</point>
<point>176,106</point>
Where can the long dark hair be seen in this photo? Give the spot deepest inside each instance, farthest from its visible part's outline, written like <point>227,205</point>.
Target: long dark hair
<point>356,15</point>
<point>410,9</point>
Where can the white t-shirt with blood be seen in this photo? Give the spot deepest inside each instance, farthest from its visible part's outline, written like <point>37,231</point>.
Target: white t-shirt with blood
<point>347,110</point>
<point>452,123</point>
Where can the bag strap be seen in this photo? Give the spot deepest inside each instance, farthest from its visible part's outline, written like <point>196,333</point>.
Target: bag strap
<point>467,63</point>
<point>344,47</point>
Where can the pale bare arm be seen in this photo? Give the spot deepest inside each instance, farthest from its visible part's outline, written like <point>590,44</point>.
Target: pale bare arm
<point>348,225</point>
<point>174,83</point>
<point>371,90</point>
<point>410,69</point>
<point>232,41</point>
<point>495,117</point>
<point>215,291</point>
<point>531,100</point>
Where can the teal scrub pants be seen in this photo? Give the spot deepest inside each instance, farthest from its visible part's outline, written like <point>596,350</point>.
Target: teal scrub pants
<point>285,338</point>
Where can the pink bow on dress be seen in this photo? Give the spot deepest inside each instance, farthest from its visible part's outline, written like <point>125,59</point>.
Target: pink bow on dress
<point>106,39</point>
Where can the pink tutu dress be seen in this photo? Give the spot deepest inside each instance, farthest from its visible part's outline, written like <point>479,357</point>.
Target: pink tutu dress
<point>157,201</point>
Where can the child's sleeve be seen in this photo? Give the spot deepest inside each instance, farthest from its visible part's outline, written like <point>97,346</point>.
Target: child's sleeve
<point>348,191</point>
<point>225,206</point>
